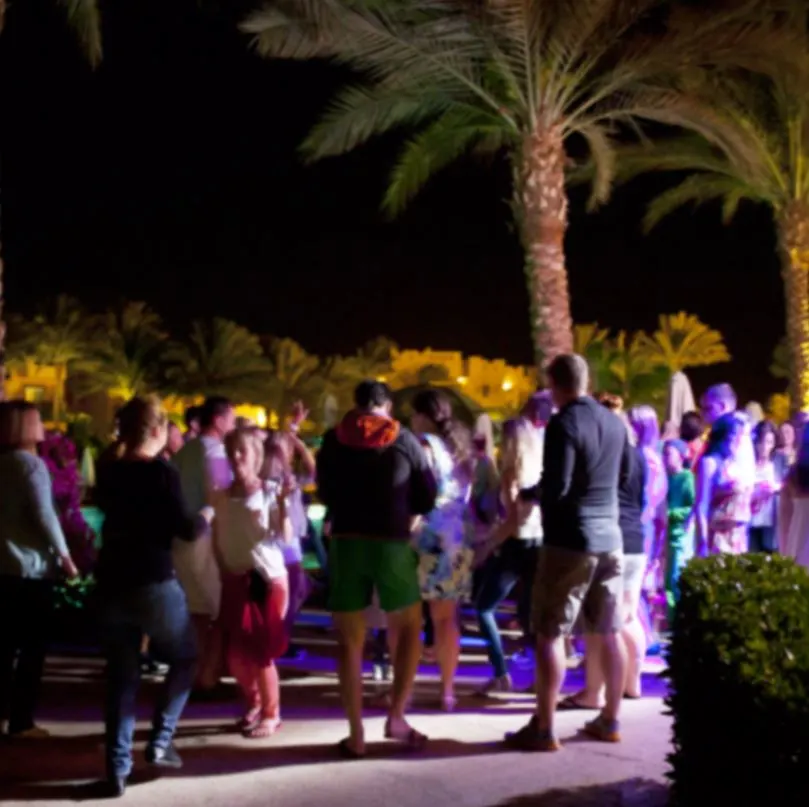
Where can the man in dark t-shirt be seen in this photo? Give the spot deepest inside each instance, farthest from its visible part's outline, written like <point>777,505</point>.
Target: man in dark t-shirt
<point>580,564</point>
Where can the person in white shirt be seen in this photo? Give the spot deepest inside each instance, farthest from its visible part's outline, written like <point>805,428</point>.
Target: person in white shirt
<point>204,470</point>
<point>251,529</point>
<point>515,544</point>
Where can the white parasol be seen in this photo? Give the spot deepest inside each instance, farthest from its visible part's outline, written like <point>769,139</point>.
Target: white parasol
<point>680,398</point>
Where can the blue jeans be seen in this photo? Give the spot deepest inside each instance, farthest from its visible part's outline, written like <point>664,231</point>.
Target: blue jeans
<point>516,561</point>
<point>158,611</point>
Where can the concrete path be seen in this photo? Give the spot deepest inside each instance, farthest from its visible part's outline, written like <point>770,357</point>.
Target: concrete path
<point>465,765</point>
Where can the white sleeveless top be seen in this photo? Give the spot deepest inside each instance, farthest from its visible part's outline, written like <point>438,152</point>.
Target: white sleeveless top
<point>249,535</point>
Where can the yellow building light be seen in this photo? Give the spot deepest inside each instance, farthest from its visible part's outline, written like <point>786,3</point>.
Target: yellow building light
<point>462,380</point>
<point>508,385</point>
<point>382,379</point>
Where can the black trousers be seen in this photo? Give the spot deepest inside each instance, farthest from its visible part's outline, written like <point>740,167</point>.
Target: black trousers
<point>26,607</point>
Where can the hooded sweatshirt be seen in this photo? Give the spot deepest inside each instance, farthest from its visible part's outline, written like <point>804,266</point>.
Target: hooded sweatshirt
<point>373,476</point>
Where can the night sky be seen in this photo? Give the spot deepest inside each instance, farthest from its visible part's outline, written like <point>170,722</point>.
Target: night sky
<point>170,175</point>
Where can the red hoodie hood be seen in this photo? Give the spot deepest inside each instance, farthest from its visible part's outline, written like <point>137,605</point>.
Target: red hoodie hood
<point>366,430</point>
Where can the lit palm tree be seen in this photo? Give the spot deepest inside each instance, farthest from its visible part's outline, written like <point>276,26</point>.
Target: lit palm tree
<point>219,358</point>
<point>621,366</point>
<point>682,341</point>
<point>84,18</point>
<point>294,375</point>
<point>374,359</point>
<point>766,160</point>
<point>125,357</point>
<point>518,77</point>
<point>60,338</point>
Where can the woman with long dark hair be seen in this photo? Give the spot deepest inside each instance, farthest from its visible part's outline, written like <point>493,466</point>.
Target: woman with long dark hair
<point>724,488</point>
<point>771,469</point>
<point>444,540</point>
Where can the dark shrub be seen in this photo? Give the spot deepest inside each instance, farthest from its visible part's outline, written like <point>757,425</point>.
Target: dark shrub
<point>739,675</point>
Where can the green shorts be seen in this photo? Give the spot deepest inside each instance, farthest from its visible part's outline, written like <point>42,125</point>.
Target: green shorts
<point>357,566</point>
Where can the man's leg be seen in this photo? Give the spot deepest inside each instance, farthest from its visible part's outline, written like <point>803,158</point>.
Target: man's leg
<point>350,593</point>
<point>405,625</point>
<point>604,613</point>
<point>562,580</point>
<point>351,636</point>
<point>395,575</point>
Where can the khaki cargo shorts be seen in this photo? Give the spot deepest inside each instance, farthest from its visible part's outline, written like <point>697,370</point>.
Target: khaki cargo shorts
<point>570,583</point>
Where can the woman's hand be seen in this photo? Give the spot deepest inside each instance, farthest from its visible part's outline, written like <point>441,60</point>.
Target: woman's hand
<point>69,567</point>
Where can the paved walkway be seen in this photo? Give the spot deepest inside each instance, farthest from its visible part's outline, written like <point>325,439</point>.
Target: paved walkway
<point>465,765</point>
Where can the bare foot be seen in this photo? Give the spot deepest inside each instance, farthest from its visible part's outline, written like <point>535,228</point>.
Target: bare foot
<point>265,727</point>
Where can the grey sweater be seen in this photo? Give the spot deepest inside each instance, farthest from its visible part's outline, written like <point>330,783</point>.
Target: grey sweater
<point>31,538</point>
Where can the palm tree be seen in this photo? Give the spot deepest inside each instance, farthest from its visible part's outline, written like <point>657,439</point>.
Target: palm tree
<point>621,366</point>
<point>294,375</point>
<point>682,341</point>
<point>60,338</point>
<point>374,359</point>
<point>220,358</point>
<point>125,356</point>
<point>518,77</point>
<point>765,159</point>
<point>779,367</point>
<point>84,18</point>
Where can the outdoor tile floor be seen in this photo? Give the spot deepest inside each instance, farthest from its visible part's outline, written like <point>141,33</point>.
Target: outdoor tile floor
<point>465,765</point>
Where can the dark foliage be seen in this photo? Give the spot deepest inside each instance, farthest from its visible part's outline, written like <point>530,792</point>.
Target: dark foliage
<point>739,674</point>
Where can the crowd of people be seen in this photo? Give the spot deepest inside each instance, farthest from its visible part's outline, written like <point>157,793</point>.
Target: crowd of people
<point>590,511</point>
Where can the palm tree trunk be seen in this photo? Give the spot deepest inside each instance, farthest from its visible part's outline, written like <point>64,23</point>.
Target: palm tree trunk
<point>793,238</point>
<point>542,210</point>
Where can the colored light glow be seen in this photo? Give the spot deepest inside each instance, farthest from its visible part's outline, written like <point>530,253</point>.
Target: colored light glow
<point>462,380</point>
<point>508,385</point>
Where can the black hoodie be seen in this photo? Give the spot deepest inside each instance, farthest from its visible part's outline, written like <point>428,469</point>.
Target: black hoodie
<point>373,476</point>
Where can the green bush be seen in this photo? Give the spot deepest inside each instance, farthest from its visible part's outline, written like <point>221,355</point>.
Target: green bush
<point>739,683</point>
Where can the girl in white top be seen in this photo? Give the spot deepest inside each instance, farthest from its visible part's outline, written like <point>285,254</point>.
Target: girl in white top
<point>251,527</point>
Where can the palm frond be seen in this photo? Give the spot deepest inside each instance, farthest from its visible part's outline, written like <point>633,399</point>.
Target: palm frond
<point>84,17</point>
<point>603,156</point>
<point>455,133</point>
<point>696,190</point>
<point>359,113</point>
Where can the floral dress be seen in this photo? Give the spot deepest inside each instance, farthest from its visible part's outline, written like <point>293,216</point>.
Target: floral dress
<point>730,512</point>
<point>444,541</point>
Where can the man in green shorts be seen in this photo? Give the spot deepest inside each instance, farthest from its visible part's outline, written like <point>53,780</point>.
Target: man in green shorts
<point>374,478</point>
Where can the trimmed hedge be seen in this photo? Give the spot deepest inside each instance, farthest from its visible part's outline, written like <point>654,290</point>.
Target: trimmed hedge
<point>739,676</point>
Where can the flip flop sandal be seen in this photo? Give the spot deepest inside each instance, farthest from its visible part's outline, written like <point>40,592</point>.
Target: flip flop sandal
<point>572,704</point>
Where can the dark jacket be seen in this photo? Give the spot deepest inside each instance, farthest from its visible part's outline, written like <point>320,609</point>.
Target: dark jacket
<point>585,458</point>
<point>373,477</point>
